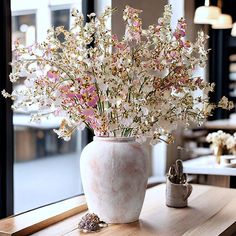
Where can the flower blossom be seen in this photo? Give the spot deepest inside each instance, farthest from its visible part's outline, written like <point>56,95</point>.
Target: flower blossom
<point>140,86</point>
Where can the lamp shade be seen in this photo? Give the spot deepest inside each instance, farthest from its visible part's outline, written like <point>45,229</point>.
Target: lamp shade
<point>223,22</point>
<point>233,31</point>
<point>206,14</point>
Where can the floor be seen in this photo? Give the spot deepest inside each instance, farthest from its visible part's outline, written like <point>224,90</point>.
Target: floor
<point>46,180</point>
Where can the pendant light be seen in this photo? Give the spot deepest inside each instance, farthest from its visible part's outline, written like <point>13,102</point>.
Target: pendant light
<point>224,21</point>
<point>206,14</point>
<point>233,31</point>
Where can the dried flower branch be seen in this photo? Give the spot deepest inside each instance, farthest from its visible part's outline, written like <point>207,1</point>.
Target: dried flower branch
<point>91,223</point>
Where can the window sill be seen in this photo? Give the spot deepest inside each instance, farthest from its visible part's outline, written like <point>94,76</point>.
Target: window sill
<point>35,220</point>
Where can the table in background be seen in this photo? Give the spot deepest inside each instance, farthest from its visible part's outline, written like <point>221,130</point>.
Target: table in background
<point>217,174</point>
<point>224,124</point>
<point>211,212</point>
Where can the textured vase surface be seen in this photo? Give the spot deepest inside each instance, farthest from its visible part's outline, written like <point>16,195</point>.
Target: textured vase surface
<point>177,194</point>
<point>114,174</point>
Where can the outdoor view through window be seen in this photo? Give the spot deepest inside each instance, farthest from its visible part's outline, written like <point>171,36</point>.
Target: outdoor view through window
<point>46,169</point>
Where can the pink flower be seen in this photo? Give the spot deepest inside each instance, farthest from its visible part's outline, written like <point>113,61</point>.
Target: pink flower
<point>78,79</point>
<point>187,44</point>
<point>74,95</point>
<point>120,46</point>
<point>181,29</point>
<point>93,101</point>
<point>70,95</point>
<point>88,112</point>
<point>176,35</point>
<point>136,23</point>
<point>114,37</point>
<point>174,54</point>
<point>91,89</point>
<point>53,75</point>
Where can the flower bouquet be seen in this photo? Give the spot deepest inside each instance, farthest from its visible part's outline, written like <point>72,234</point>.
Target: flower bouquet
<point>221,143</point>
<point>139,87</point>
<point>231,144</point>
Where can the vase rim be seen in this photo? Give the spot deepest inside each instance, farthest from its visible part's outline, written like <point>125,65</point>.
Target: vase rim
<point>114,139</point>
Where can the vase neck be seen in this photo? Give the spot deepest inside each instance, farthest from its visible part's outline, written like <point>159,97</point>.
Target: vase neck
<point>114,139</point>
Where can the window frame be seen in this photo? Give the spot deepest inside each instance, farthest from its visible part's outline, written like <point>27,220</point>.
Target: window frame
<point>6,114</point>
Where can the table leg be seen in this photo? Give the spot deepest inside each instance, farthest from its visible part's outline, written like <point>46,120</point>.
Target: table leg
<point>232,181</point>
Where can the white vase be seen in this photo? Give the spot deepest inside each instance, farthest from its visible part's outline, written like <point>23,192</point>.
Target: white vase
<point>114,174</point>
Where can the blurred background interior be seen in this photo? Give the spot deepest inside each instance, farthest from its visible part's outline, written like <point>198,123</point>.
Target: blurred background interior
<point>46,169</point>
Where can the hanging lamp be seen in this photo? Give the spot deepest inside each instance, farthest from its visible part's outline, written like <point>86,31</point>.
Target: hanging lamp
<point>224,21</point>
<point>233,31</point>
<point>206,14</point>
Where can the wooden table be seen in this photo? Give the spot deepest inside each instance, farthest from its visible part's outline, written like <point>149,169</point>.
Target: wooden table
<point>211,211</point>
<point>207,165</point>
<point>220,175</point>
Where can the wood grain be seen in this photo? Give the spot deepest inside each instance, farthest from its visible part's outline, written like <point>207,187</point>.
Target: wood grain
<point>35,220</point>
<point>218,180</point>
<point>211,211</point>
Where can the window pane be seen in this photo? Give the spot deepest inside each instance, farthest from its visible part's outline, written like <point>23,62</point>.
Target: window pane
<point>24,28</point>
<point>46,168</point>
<point>61,17</point>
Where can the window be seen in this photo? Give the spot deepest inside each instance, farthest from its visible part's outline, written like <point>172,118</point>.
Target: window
<point>61,17</point>
<point>24,28</point>
<point>46,169</point>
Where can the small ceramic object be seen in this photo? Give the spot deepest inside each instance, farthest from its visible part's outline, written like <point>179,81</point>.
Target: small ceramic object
<point>177,194</point>
<point>177,188</point>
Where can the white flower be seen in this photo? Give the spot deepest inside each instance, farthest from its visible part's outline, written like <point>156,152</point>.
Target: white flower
<point>144,111</point>
<point>6,94</point>
<point>138,86</point>
<point>126,121</point>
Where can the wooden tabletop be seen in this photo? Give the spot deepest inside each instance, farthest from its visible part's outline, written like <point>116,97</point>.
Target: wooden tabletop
<point>211,211</point>
<point>206,165</point>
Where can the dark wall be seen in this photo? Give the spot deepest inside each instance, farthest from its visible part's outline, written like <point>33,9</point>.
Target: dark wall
<point>222,45</point>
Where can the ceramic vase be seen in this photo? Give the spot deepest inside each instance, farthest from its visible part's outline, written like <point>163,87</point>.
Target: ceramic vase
<point>218,152</point>
<point>114,174</point>
<point>177,194</point>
